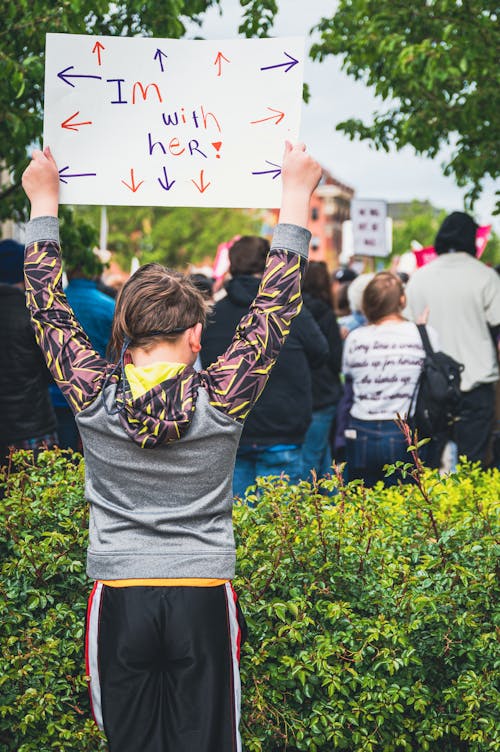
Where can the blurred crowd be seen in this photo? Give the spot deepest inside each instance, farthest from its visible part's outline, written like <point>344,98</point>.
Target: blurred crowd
<point>349,368</point>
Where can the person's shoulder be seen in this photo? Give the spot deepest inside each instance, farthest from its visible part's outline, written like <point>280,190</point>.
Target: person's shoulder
<point>304,320</point>
<point>413,334</point>
<point>13,305</point>
<point>326,314</point>
<point>317,306</point>
<point>359,334</point>
<point>106,300</point>
<point>220,310</point>
<point>478,275</point>
<point>12,293</point>
<point>222,304</point>
<point>408,331</point>
<point>429,270</point>
<point>408,325</point>
<point>487,272</point>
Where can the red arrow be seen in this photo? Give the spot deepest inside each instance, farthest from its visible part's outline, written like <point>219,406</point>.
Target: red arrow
<point>218,60</point>
<point>74,126</point>
<point>202,187</point>
<point>133,187</point>
<point>277,118</point>
<point>97,48</point>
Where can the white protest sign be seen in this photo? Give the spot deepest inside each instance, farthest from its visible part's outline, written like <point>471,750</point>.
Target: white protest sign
<point>369,234</point>
<point>169,122</point>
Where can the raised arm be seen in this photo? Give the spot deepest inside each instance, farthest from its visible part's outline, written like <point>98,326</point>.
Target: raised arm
<point>77,369</point>
<point>235,381</point>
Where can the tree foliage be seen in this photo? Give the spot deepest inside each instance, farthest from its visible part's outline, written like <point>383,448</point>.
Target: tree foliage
<point>434,62</point>
<point>22,53</point>
<point>168,236</point>
<point>419,221</point>
<point>172,237</point>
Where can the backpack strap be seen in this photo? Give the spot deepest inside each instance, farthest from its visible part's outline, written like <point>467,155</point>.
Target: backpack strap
<point>425,339</point>
<point>413,400</point>
<point>428,351</point>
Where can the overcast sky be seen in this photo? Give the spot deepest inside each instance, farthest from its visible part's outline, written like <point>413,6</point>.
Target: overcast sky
<point>397,176</point>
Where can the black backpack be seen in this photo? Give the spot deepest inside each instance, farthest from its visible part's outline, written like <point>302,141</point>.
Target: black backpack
<point>437,393</point>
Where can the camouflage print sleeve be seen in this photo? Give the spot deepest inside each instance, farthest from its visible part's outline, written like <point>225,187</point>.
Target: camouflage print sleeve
<point>236,379</point>
<point>75,366</point>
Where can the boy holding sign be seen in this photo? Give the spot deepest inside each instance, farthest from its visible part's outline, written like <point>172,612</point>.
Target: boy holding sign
<point>163,623</point>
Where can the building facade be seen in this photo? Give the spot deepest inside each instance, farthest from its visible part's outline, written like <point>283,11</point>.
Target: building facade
<point>329,208</point>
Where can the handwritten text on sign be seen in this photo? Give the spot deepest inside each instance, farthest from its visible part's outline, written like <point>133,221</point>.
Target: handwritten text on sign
<point>369,227</point>
<point>168,122</point>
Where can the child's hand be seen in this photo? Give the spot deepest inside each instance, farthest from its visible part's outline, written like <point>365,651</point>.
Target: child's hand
<point>299,170</point>
<point>300,174</point>
<point>41,184</point>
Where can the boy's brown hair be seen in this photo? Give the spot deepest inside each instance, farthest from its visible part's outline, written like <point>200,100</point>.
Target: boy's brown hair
<point>155,303</point>
<point>382,296</point>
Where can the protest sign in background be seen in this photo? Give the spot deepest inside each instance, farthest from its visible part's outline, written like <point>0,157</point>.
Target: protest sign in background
<point>369,234</point>
<point>168,122</point>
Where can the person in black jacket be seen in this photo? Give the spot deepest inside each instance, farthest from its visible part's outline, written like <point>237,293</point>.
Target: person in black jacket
<point>326,384</point>
<point>28,418</point>
<point>273,434</point>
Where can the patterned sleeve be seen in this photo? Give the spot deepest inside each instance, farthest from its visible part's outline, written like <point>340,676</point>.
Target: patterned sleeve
<point>236,379</point>
<point>77,368</point>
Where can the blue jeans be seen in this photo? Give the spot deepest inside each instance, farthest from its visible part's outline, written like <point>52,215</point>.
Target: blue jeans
<point>316,451</point>
<point>258,462</point>
<point>376,443</point>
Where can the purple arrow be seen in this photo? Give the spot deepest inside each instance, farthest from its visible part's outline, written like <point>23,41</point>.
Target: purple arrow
<point>268,172</point>
<point>166,185</point>
<point>63,178</point>
<point>159,55</point>
<point>285,64</point>
<point>64,76</point>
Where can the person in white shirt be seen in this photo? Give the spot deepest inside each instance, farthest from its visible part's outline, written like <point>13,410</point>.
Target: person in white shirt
<point>462,296</point>
<point>382,362</point>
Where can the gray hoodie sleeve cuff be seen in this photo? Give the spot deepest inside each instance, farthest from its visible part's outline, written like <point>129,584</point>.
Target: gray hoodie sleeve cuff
<point>42,228</point>
<point>291,238</point>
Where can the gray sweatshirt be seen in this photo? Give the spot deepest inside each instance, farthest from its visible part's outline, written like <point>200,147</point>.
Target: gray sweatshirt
<point>158,468</point>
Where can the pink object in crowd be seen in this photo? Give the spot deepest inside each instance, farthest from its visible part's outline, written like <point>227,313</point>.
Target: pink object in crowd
<point>424,255</point>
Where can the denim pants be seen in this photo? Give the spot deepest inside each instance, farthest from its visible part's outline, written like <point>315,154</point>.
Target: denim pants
<point>316,451</point>
<point>371,444</point>
<point>254,462</point>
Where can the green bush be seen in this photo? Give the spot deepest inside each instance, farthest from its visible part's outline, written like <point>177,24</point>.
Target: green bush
<point>372,613</point>
<point>43,590</point>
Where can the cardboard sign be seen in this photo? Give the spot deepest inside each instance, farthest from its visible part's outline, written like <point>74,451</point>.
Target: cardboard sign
<point>369,235</point>
<point>169,122</point>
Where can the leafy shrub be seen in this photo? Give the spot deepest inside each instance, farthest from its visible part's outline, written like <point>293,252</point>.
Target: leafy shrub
<point>372,613</point>
<point>43,590</point>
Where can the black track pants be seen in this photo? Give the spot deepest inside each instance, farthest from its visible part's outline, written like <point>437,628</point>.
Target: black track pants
<point>164,667</point>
